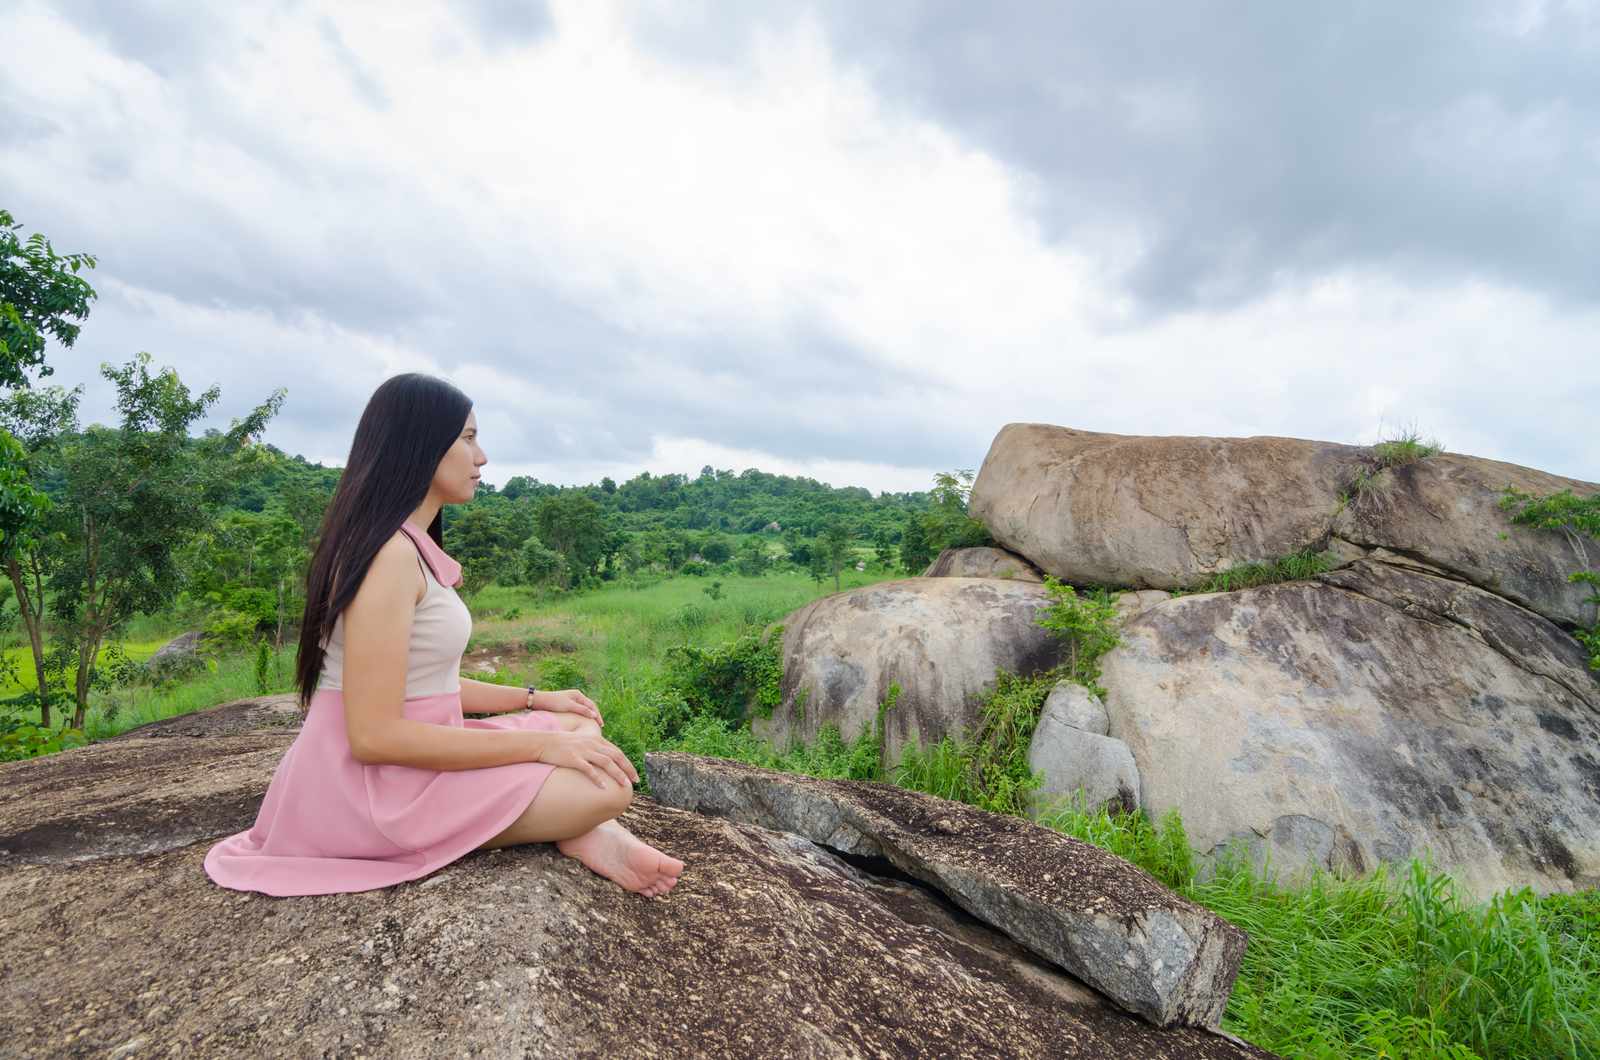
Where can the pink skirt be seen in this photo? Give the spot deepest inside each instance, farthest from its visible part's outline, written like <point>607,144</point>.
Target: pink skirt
<point>330,825</point>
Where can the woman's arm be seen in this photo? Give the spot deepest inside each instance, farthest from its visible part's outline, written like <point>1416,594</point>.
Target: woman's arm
<point>377,639</point>
<point>480,698</point>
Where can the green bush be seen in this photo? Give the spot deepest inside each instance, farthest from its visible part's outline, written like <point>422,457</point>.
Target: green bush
<point>25,740</point>
<point>562,672</point>
<point>726,681</point>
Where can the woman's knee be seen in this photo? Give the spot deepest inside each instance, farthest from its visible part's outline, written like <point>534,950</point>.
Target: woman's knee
<point>579,723</point>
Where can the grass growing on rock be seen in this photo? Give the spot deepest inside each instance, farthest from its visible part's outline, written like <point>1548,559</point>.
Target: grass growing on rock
<point>1294,567</point>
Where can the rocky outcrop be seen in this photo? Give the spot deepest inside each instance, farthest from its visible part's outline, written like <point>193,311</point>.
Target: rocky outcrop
<point>115,943</point>
<point>1446,512</point>
<point>981,563</point>
<point>1376,715</point>
<point>280,712</point>
<point>940,639</point>
<point>1082,764</point>
<point>1107,921</point>
<point>1164,512</point>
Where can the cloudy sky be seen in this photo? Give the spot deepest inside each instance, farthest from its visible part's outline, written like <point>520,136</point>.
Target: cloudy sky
<point>843,239</point>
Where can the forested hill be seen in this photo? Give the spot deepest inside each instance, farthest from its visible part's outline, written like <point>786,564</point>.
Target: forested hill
<point>715,500</point>
<point>736,503</point>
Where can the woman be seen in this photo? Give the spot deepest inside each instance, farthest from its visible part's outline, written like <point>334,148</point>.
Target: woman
<point>387,781</point>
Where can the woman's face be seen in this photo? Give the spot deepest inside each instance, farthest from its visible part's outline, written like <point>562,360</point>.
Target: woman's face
<point>457,477</point>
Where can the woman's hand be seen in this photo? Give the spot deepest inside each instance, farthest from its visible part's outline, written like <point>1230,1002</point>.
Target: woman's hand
<point>568,701</point>
<point>594,756</point>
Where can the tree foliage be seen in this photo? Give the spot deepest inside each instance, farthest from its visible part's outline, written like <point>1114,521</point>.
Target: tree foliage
<point>41,294</point>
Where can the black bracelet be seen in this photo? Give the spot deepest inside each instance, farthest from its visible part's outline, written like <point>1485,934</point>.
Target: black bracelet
<point>529,705</point>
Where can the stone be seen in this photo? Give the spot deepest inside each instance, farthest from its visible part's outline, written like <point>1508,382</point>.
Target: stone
<point>1106,921</point>
<point>184,644</point>
<point>1372,716</point>
<point>1074,706</point>
<point>1081,769</point>
<point>1131,601</point>
<point>115,942</point>
<point>940,639</point>
<point>982,563</point>
<point>1445,511</point>
<point>1164,512</point>
<point>281,712</point>
<point>1154,512</point>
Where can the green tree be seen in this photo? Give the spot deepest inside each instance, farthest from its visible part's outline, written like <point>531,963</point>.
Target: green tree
<point>32,423</point>
<point>540,565</point>
<point>834,543</point>
<point>24,512</point>
<point>916,544</point>
<point>133,496</point>
<point>573,525</point>
<point>41,294</point>
<point>883,548</point>
<point>481,542</point>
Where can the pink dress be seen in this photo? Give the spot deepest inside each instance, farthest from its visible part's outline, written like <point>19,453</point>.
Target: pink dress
<point>330,825</point>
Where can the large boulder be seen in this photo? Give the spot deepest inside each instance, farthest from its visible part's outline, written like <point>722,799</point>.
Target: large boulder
<point>1374,716</point>
<point>1163,512</point>
<point>940,639</point>
<point>116,944</point>
<point>1154,512</point>
<point>279,712</point>
<point>981,563</point>
<point>1108,922</point>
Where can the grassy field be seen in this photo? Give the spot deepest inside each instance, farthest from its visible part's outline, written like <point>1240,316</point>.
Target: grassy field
<point>1397,966</point>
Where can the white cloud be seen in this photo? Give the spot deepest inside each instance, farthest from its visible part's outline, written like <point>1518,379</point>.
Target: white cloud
<point>633,261</point>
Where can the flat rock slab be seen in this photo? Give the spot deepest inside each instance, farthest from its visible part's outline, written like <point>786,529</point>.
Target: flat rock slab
<point>768,947</point>
<point>241,715</point>
<point>1108,922</point>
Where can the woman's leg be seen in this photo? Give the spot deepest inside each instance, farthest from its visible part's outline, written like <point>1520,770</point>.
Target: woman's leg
<point>580,818</point>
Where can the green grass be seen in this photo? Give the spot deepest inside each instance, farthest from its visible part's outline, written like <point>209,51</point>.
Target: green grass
<point>1385,966</point>
<point>1297,566</point>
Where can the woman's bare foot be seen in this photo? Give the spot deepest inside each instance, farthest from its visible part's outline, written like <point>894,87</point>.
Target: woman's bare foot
<point>615,853</point>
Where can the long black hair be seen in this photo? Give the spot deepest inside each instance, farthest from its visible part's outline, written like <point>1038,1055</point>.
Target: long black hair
<point>409,425</point>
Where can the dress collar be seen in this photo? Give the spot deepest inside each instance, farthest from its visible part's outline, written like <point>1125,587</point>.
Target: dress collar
<point>446,570</point>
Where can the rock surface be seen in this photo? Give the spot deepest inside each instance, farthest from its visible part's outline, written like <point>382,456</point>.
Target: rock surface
<point>1446,512</point>
<point>982,563</point>
<point>1154,512</point>
<point>280,712</point>
<point>768,947</point>
<point>1081,763</point>
<point>940,639</point>
<point>1163,512</point>
<point>1372,716</point>
<point>1107,921</point>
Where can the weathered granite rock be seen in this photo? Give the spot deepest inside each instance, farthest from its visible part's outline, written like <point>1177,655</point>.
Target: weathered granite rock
<point>768,947</point>
<point>1131,601</point>
<point>1369,717</point>
<point>940,639</point>
<point>1076,707</point>
<point>280,712</point>
<point>1163,512</point>
<point>1082,765</point>
<point>1106,921</point>
<point>1154,512</point>
<point>1082,770</point>
<point>1446,511</point>
<point>181,646</point>
<point>981,563</point>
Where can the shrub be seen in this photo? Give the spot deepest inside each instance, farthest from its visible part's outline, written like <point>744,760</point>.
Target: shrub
<point>1297,566</point>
